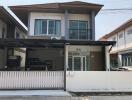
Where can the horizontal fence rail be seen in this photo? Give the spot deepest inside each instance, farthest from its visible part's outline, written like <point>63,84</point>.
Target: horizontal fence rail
<point>31,79</point>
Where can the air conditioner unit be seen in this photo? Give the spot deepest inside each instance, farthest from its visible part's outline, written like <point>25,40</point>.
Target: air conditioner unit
<point>55,38</point>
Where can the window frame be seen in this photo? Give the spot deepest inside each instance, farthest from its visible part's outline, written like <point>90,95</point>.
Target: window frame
<point>129,31</point>
<point>120,36</point>
<point>47,30</point>
<point>78,29</point>
<point>127,60</point>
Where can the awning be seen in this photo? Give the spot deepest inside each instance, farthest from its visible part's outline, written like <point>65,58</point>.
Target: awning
<point>48,42</point>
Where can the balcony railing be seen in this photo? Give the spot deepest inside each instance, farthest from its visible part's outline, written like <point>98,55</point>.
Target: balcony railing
<point>31,79</point>
<point>80,34</point>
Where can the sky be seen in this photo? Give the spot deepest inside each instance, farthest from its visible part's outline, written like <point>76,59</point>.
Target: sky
<point>105,21</point>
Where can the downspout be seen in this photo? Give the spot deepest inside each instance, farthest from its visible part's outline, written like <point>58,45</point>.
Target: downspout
<point>108,57</point>
<point>110,48</point>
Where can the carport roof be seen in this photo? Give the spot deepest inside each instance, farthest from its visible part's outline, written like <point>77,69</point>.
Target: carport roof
<point>48,42</point>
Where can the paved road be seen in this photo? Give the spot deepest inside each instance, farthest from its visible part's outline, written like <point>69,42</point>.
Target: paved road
<point>66,98</point>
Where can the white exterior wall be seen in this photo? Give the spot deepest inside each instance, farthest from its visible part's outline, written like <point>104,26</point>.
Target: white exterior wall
<point>84,48</point>
<point>98,81</point>
<point>56,16</point>
<point>3,25</point>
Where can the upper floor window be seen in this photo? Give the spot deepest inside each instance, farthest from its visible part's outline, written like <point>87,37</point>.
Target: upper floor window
<point>127,59</point>
<point>47,27</point>
<point>120,35</point>
<point>129,31</point>
<point>79,30</point>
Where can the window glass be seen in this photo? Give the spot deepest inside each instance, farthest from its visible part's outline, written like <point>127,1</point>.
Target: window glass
<point>70,63</point>
<point>83,29</point>
<point>46,26</point>
<point>83,25</point>
<point>129,31</point>
<point>51,27</point>
<point>77,63</point>
<point>73,24</point>
<point>38,27</point>
<point>84,63</point>
<point>58,27</point>
<point>120,35</point>
<point>79,30</point>
<point>127,59</point>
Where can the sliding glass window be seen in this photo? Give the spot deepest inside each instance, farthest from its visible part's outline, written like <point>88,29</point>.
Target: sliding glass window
<point>79,30</point>
<point>47,27</point>
<point>127,59</point>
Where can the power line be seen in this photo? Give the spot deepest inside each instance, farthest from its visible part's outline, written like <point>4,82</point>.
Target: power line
<point>116,12</point>
<point>118,9</point>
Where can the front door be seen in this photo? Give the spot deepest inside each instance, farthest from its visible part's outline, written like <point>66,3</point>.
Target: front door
<point>79,63</point>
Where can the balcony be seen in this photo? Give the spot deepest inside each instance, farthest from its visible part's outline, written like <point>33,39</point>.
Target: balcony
<point>80,34</point>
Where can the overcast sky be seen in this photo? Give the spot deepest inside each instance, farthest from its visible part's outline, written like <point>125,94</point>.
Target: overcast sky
<point>106,21</point>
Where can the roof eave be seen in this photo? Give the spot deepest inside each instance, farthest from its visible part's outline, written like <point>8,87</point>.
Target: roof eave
<point>66,5</point>
<point>13,19</point>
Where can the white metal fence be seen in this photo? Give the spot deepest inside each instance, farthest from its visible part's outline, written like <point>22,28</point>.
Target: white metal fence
<point>31,79</point>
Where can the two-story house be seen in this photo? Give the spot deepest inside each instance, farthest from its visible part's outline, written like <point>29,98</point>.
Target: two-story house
<point>71,21</point>
<point>60,48</point>
<point>121,53</point>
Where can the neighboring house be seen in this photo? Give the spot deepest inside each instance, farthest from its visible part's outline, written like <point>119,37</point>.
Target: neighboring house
<point>61,51</point>
<point>10,28</point>
<point>121,53</point>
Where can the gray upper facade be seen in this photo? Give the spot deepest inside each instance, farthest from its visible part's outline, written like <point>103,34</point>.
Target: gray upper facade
<point>69,20</point>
